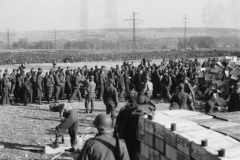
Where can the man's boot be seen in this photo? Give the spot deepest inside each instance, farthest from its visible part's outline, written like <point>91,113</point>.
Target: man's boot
<point>40,101</point>
<point>57,142</point>
<point>86,111</point>
<point>48,100</point>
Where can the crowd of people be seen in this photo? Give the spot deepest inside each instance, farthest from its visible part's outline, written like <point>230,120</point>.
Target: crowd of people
<point>64,56</point>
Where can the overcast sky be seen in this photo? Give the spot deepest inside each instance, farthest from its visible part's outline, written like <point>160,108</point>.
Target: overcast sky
<point>23,15</point>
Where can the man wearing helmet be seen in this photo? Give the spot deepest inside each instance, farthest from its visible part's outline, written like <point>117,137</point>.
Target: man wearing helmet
<point>69,121</point>
<point>104,146</point>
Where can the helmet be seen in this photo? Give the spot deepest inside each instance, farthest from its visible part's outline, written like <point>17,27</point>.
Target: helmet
<point>103,122</point>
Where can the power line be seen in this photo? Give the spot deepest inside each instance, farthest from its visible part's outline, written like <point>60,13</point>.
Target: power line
<point>133,21</point>
<point>185,29</point>
<point>9,35</point>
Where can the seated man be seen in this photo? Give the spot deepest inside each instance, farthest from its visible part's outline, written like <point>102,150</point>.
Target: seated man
<point>69,120</point>
<point>104,146</point>
<point>183,99</point>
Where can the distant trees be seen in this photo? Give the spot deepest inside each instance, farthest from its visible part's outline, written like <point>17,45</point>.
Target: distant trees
<point>197,41</point>
<point>23,44</point>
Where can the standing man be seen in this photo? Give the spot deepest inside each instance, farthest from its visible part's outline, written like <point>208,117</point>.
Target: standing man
<point>6,86</point>
<point>111,99</point>
<point>90,94</point>
<point>57,86</point>
<point>49,86</point>
<point>69,121</point>
<point>104,146</point>
<point>76,86</point>
<point>166,83</point>
<point>39,86</point>
<point>234,101</point>
<point>62,81</point>
<point>28,92</point>
<point>68,84</point>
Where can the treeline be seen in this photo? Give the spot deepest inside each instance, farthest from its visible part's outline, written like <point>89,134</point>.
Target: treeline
<point>24,44</point>
<point>196,42</point>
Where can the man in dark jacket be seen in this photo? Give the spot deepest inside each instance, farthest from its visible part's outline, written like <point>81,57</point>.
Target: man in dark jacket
<point>39,86</point>
<point>183,99</point>
<point>68,84</point>
<point>110,99</point>
<point>6,86</point>
<point>166,84</point>
<point>62,81</point>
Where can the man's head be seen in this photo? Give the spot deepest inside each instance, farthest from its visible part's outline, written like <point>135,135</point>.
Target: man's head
<point>91,78</point>
<point>180,87</point>
<point>103,122</point>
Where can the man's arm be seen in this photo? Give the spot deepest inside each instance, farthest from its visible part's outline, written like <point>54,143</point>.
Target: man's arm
<point>190,103</point>
<point>62,109</point>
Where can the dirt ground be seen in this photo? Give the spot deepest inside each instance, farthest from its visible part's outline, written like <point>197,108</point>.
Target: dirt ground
<point>22,126</point>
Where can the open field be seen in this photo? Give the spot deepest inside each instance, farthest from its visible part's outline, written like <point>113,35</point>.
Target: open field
<point>22,126</point>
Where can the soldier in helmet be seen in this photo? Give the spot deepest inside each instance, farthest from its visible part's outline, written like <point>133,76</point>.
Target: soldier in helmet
<point>69,121</point>
<point>90,94</point>
<point>104,146</point>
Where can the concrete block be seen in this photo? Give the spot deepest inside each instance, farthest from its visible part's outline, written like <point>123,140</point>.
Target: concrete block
<point>154,154</point>
<point>149,139</point>
<point>171,153</point>
<point>149,126</point>
<point>50,150</point>
<point>159,145</point>
<point>182,156</point>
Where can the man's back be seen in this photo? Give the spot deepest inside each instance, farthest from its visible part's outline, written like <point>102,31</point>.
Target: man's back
<point>103,147</point>
<point>181,98</point>
<point>110,95</point>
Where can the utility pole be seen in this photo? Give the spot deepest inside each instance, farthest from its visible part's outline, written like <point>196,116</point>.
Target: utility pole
<point>185,29</point>
<point>133,21</point>
<point>9,34</point>
<point>55,36</point>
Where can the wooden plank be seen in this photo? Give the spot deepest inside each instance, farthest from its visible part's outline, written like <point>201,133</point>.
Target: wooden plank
<point>198,117</point>
<point>148,126</point>
<point>162,157</point>
<point>50,150</point>
<point>215,123</point>
<point>144,150</point>
<point>228,130</point>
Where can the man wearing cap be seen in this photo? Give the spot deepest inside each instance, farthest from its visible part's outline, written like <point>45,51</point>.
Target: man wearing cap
<point>6,86</point>
<point>183,99</point>
<point>104,146</point>
<point>110,99</point>
<point>148,87</point>
<point>91,86</point>
<point>126,78</point>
